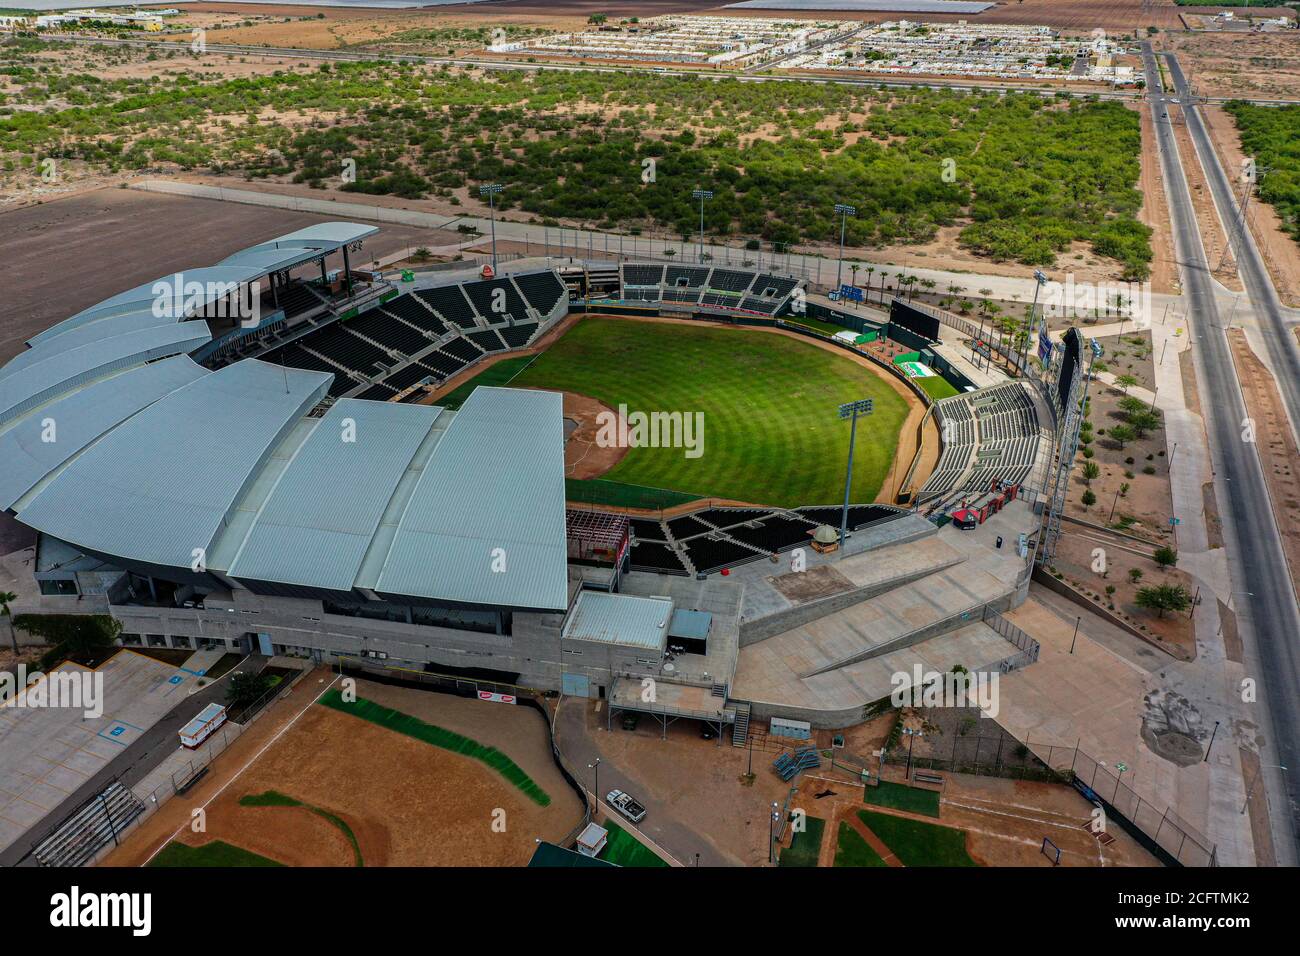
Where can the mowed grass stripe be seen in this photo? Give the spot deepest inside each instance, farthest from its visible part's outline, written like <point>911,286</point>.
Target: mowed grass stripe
<point>771,433</point>
<point>439,737</point>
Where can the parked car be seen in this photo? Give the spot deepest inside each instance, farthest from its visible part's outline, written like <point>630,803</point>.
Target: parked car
<point>630,719</point>
<point>624,804</point>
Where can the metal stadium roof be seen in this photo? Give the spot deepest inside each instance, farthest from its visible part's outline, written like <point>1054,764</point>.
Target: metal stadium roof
<point>99,329</point>
<point>620,619</point>
<point>244,266</point>
<point>62,370</point>
<point>485,524</point>
<point>161,484</point>
<point>317,523</point>
<point>80,417</point>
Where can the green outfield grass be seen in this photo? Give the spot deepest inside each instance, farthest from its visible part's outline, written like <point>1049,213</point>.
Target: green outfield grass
<point>216,853</point>
<point>771,432</point>
<point>936,387</point>
<point>852,850</point>
<point>806,846</point>
<point>623,849</point>
<point>902,797</point>
<point>919,844</point>
<point>500,373</point>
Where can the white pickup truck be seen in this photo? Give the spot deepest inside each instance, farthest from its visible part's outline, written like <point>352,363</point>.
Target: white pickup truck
<point>624,804</point>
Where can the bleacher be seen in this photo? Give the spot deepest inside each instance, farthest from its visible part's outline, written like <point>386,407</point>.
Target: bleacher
<point>543,290</point>
<point>91,828</point>
<point>989,435</point>
<point>427,333</point>
<point>716,538</point>
<point>495,299</point>
<point>450,303</point>
<point>518,335</point>
<point>486,339</point>
<point>718,288</point>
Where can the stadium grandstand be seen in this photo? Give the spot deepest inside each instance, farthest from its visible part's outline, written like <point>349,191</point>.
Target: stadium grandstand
<point>242,466</point>
<point>991,435</point>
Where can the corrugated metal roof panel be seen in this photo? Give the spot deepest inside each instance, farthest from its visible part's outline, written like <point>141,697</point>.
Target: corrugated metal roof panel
<point>305,535</point>
<point>620,619</point>
<point>495,481</point>
<point>323,235</point>
<point>161,484</point>
<point>63,370</point>
<point>146,295</point>
<point>95,331</point>
<point>81,417</point>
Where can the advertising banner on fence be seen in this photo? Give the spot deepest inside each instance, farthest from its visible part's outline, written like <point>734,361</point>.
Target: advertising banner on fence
<point>498,698</point>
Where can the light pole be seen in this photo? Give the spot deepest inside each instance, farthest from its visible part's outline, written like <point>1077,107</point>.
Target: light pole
<point>596,767</point>
<point>1040,280</point>
<point>491,191</point>
<point>1250,791</point>
<point>911,739</point>
<point>851,410</point>
<point>771,834</point>
<point>701,195</point>
<point>1077,620</point>
<point>845,212</point>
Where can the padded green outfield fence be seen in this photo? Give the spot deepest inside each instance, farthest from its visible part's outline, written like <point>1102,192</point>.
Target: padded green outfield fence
<point>440,737</point>
<point>601,491</point>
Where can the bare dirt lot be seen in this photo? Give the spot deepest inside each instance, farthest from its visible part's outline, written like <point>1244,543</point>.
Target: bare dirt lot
<point>1264,65</point>
<point>408,803</point>
<point>78,251</point>
<point>1281,253</point>
<point>1213,236</point>
<point>1155,211</point>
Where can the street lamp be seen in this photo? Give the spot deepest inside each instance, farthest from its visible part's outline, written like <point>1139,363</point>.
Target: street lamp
<point>491,191</point>
<point>845,212</point>
<point>771,833</point>
<point>851,410</point>
<point>596,767</point>
<point>911,739</point>
<point>701,195</point>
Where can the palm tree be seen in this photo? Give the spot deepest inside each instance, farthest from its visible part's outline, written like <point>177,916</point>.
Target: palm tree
<point>6,598</point>
<point>853,270</point>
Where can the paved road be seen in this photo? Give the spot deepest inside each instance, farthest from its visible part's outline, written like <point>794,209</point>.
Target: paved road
<point>660,824</point>
<point>132,765</point>
<point>1273,326</point>
<point>1270,613</point>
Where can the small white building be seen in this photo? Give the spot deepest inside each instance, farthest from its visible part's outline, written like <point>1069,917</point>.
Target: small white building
<point>592,840</point>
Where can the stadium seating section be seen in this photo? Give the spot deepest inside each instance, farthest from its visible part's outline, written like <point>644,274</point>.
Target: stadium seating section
<point>709,540</point>
<point>422,337</point>
<point>990,435</point>
<point>717,288</point>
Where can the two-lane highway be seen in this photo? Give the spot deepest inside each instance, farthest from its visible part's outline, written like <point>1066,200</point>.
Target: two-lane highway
<point>1256,557</point>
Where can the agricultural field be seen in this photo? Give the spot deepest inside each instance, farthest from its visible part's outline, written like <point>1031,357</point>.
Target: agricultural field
<point>1015,178</point>
<point>768,401</point>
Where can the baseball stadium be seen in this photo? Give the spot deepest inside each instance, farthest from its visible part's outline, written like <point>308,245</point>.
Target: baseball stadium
<point>283,454</point>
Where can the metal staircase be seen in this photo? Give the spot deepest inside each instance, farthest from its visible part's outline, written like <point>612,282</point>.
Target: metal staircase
<point>740,729</point>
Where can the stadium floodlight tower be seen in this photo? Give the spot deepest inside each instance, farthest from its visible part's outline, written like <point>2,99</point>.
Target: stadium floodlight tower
<point>851,410</point>
<point>1040,280</point>
<point>701,195</point>
<point>845,211</point>
<point>491,191</point>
